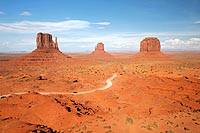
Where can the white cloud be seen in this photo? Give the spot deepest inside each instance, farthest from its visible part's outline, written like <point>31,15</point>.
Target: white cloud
<point>197,22</point>
<point>191,43</point>
<point>127,41</point>
<point>2,13</point>
<point>183,42</point>
<point>100,28</point>
<point>131,41</point>
<point>159,34</point>
<point>37,26</point>
<point>78,41</point>
<point>174,41</point>
<point>17,45</point>
<point>102,23</point>
<point>25,14</point>
<point>111,41</point>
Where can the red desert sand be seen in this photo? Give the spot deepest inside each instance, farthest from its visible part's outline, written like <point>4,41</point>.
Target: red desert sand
<point>46,92</point>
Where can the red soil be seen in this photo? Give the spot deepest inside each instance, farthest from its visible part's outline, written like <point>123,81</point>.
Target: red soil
<point>151,56</point>
<point>101,54</point>
<point>146,96</point>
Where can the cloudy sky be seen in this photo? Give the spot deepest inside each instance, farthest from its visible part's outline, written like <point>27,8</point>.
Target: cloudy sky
<point>81,24</point>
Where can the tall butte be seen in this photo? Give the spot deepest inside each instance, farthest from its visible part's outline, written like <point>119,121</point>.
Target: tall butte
<point>150,49</point>
<point>99,52</point>
<point>150,44</point>
<point>47,50</point>
<point>44,41</point>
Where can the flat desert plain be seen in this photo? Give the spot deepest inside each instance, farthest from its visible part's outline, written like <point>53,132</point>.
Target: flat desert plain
<point>99,95</point>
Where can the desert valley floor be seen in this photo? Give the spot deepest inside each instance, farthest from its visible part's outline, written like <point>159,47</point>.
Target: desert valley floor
<point>146,95</point>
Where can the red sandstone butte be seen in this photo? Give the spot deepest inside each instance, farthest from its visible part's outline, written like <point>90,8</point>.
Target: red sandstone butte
<point>150,49</point>
<point>150,44</point>
<point>99,52</point>
<point>100,46</point>
<point>44,41</point>
<point>47,50</point>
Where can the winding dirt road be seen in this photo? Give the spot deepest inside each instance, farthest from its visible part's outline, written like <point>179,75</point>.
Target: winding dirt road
<point>108,85</point>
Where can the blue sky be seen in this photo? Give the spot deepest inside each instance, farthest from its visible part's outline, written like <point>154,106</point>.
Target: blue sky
<point>81,24</point>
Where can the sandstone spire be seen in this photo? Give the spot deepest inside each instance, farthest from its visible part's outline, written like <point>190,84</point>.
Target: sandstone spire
<point>56,43</point>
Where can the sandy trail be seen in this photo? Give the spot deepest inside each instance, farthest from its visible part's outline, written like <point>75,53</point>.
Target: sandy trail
<point>108,85</point>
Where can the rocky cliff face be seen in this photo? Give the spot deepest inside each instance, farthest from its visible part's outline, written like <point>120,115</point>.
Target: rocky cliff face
<point>149,44</point>
<point>44,41</point>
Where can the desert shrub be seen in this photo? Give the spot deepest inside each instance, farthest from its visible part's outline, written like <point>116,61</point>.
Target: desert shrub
<point>107,127</point>
<point>198,101</point>
<point>170,122</point>
<point>129,120</point>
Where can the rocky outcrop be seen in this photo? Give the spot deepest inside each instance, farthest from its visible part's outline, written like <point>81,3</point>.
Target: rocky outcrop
<point>47,50</point>
<point>99,52</point>
<point>44,41</point>
<point>150,44</point>
<point>150,50</point>
<point>100,46</point>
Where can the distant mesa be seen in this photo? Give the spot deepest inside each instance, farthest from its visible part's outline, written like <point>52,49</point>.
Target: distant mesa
<point>150,44</point>
<point>100,46</point>
<point>150,49</point>
<point>47,50</point>
<point>99,52</point>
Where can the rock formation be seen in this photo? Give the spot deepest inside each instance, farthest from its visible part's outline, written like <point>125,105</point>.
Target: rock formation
<point>99,52</point>
<point>47,50</point>
<point>150,49</point>
<point>44,41</point>
<point>150,44</point>
<point>100,46</point>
